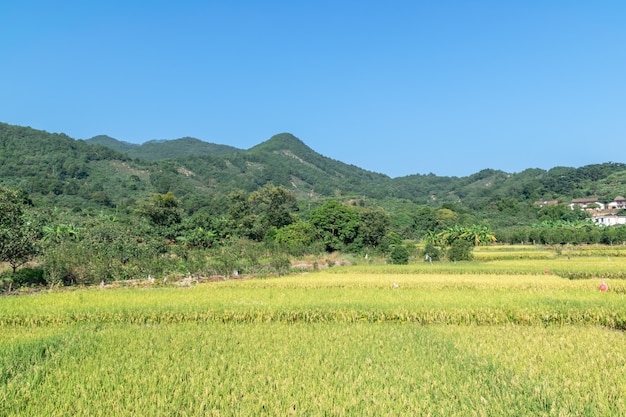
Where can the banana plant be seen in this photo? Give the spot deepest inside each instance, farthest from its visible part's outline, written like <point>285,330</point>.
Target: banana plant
<point>60,232</point>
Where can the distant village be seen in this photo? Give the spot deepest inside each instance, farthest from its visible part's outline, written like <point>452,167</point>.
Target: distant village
<point>602,214</point>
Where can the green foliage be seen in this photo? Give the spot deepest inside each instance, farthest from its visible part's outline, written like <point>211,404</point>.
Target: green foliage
<point>268,207</point>
<point>91,173</point>
<point>561,212</point>
<point>23,277</point>
<point>17,238</point>
<point>59,233</point>
<point>373,227</point>
<point>424,220</point>
<point>280,264</point>
<point>161,209</point>
<point>226,263</point>
<point>431,252</point>
<point>478,235</point>
<point>198,238</point>
<point>475,234</point>
<point>274,196</point>
<point>336,224</point>
<point>399,255</point>
<point>106,249</point>
<point>445,218</point>
<point>389,241</point>
<point>273,207</point>
<point>164,149</point>
<point>461,250</point>
<point>296,238</point>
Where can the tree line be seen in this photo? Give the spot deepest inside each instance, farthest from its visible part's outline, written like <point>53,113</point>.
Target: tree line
<point>258,232</point>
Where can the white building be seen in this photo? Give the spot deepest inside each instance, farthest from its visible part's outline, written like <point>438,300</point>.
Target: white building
<point>584,203</point>
<point>608,219</point>
<point>618,202</point>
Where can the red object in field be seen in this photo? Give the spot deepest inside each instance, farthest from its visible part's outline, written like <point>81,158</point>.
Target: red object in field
<point>546,271</point>
<point>603,286</point>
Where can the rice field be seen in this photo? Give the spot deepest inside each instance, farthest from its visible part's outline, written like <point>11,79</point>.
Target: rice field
<point>369,340</point>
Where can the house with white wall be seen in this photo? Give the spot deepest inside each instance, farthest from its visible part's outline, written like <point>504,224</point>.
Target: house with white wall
<point>608,219</point>
<point>618,202</point>
<point>585,203</point>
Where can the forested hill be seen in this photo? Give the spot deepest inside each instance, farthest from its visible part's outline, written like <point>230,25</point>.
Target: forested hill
<point>163,149</point>
<point>56,169</point>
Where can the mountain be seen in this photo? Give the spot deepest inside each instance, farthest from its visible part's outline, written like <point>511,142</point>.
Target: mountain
<point>57,170</point>
<point>163,149</point>
<point>112,143</point>
<point>286,160</point>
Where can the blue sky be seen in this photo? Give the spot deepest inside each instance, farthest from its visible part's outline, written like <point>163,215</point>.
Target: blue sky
<point>397,87</point>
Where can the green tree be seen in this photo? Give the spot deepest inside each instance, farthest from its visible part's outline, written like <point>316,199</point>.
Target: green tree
<point>161,209</point>
<point>424,220</point>
<point>431,253</point>
<point>17,239</point>
<point>561,212</point>
<point>240,210</point>
<point>269,207</point>
<point>337,225</point>
<point>445,218</point>
<point>273,207</point>
<point>478,235</point>
<point>374,226</point>
<point>399,255</point>
<point>296,237</point>
<point>461,250</point>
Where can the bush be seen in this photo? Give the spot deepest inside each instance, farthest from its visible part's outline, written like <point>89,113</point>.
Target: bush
<point>27,276</point>
<point>431,252</point>
<point>280,264</point>
<point>399,255</point>
<point>389,241</point>
<point>461,250</point>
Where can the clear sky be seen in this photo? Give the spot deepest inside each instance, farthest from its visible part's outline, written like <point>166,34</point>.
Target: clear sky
<point>396,87</point>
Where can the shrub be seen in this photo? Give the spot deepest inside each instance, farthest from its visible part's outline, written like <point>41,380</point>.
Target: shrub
<point>431,252</point>
<point>280,264</point>
<point>461,250</point>
<point>28,276</point>
<point>399,255</point>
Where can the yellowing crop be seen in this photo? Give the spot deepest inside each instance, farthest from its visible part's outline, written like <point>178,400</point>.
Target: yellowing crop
<point>442,339</point>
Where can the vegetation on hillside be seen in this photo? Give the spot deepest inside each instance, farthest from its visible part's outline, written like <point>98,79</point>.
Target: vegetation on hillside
<point>163,149</point>
<point>88,213</point>
<point>428,264</point>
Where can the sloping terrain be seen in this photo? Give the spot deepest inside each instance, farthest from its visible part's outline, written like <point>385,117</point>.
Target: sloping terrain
<point>55,168</point>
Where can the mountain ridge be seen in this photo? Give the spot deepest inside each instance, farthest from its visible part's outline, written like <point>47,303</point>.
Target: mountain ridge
<point>56,168</point>
<point>157,149</point>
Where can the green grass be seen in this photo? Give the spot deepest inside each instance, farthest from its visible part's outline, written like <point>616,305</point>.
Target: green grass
<point>362,341</point>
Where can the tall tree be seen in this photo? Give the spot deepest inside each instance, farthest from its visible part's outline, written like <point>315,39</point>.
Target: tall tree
<point>336,224</point>
<point>17,239</point>
<point>274,205</point>
<point>374,226</point>
<point>269,207</point>
<point>161,209</point>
